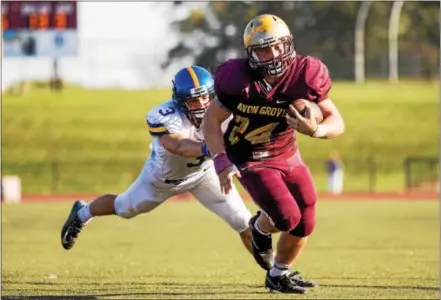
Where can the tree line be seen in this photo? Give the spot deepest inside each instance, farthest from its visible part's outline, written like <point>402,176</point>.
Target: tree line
<point>214,33</point>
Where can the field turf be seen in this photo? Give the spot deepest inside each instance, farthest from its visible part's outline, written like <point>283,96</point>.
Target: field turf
<point>360,250</point>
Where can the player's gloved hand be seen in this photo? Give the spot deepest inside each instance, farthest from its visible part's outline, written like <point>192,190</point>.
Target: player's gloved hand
<point>225,170</point>
<point>304,124</point>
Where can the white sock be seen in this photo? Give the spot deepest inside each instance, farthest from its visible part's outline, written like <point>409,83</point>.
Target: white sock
<point>279,269</point>
<point>256,226</point>
<point>84,214</point>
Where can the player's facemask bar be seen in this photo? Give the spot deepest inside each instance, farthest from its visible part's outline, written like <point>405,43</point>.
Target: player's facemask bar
<point>195,115</point>
<point>276,66</point>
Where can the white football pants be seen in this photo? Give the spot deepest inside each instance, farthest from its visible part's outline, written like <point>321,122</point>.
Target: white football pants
<point>147,192</point>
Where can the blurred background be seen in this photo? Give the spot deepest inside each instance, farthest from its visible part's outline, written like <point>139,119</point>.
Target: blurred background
<point>78,79</point>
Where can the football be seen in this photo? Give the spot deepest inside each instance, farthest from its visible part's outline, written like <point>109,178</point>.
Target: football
<point>300,105</point>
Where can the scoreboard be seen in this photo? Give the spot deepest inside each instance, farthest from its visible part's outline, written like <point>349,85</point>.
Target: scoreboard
<point>37,15</point>
<point>39,28</point>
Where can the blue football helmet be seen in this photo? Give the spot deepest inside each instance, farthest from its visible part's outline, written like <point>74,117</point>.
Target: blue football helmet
<point>188,84</point>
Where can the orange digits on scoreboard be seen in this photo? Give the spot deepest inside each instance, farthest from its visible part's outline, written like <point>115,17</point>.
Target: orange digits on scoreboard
<point>33,21</point>
<point>38,21</point>
<point>43,20</point>
<point>60,20</point>
<point>5,23</point>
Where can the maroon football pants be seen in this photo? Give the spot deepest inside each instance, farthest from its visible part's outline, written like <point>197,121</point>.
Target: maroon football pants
<point>284,190</point>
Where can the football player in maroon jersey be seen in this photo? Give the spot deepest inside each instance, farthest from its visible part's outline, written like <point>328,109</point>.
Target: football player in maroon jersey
<point>260,145</point>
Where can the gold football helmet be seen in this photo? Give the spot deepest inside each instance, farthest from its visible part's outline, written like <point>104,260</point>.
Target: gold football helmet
<point>265,31</point>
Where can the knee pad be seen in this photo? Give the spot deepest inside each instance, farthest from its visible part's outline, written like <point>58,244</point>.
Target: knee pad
<point>303,229</point>
<point>288,221</point>
<point>125,209</point>
<point>127,214</point>
<point>241,221</point>
<point>237,220</point>
<point>306,225</point>
<point>122,208</point>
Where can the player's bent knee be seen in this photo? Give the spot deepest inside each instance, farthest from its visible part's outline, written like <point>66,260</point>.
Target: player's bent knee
<point>242,223</point>
<point>305,227</point>
<point>127,214</point>
<point>288,222</point>
<point>239,220</point>
<point>123,209</point>
<point>127,210</point>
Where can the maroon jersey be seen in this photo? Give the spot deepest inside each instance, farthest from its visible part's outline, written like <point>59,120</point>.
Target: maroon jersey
<point>259,130</point>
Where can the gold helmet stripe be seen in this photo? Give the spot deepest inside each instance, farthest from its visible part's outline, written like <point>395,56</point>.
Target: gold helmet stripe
<point>194,77</point>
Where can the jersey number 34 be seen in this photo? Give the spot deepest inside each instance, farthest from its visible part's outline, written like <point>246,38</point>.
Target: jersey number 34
<point>256,136</point>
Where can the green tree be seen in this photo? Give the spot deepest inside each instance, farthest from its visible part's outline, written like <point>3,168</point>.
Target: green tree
<point>213,34</point>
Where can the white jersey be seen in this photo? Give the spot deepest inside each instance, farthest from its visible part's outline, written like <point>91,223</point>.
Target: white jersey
<point>168,118</point>
<point>194,175</point>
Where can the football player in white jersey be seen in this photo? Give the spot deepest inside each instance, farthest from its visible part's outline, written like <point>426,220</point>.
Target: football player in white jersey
<point>179,162</point>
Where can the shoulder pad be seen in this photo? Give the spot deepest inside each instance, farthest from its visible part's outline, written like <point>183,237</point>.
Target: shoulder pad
<point>164,118</point>
<point>231,77</point>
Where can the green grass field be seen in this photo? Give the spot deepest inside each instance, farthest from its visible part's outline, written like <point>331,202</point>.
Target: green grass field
<point>360,250</point>
<point>96,140</point>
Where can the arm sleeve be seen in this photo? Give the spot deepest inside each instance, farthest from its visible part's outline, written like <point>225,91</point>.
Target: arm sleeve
<point>318,80</point>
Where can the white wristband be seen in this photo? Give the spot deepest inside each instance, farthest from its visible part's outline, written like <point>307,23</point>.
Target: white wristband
<point>320,132</point>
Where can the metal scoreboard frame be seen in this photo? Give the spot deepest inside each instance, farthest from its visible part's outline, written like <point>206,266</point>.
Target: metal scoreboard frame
<point>39,29</point>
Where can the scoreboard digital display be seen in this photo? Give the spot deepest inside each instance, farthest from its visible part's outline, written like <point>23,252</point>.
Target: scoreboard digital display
<point>51,26</point>
<point>38,15</point>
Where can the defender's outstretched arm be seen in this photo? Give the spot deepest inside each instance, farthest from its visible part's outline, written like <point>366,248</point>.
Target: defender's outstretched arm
<point>215,115</point>
<point>186,147</point>
<point>211,126</point>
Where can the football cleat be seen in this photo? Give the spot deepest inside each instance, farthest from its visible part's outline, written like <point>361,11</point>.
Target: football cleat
<point>300,281</point>
<point>283,284</point>
<point>262,246</point>
<point>73,226</point>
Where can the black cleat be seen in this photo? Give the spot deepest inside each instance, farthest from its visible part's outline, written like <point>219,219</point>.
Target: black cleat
<point>73,226</point>
<point>283,284</point>
<point>300,281</point>
<point>262,246</point>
